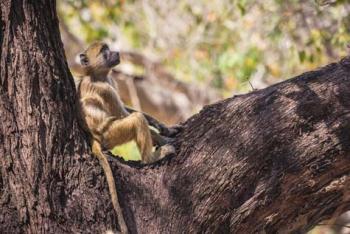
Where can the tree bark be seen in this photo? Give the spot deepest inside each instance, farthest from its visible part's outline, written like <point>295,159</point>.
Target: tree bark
<point>272,161</point>
<point>48,180</point>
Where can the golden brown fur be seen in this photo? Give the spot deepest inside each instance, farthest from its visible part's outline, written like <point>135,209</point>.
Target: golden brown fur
<point>104,113</point>
<point>108,121</point>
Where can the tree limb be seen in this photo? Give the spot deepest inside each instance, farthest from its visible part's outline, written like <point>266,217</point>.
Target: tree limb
<point>275,160</point>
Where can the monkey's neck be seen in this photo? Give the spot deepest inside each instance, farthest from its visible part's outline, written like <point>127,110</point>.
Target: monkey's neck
<point>99,76</point>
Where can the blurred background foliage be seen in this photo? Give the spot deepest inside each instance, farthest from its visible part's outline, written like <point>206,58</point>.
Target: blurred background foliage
<point>229,46</point>
<point>220,43</point>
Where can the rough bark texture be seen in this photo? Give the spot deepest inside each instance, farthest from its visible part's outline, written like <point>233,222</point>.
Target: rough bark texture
<point>48,180</point>
<point>274,160</point>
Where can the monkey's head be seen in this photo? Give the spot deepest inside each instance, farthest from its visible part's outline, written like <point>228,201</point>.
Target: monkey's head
<point>98,59</point>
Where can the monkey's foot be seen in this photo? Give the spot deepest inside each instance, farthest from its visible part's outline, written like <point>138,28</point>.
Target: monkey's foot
<point>163,151</point>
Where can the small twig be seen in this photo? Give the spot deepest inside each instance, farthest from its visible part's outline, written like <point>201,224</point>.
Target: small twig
<point>253,89</point>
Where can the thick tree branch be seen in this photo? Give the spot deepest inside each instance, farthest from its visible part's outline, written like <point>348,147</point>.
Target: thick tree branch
<point>274,160</point>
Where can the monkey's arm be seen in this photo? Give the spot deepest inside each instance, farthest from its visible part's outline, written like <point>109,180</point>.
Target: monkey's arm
<point>163,130</point>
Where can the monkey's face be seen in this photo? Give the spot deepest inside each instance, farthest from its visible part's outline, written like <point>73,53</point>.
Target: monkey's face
<point>98,58</point>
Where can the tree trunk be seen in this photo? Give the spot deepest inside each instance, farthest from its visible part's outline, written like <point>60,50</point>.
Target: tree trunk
<point>48,180</point>
<point>274,160</point>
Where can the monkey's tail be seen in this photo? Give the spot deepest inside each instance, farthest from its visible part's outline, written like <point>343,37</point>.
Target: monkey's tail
<point>96,149</point>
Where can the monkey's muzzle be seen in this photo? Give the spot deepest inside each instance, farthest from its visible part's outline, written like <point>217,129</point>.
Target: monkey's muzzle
<point>114,59</point>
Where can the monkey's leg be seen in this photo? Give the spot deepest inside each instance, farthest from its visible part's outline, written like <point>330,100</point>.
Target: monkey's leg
<point>97,151</point>
<point>163,130</point>
<point>133,127</point>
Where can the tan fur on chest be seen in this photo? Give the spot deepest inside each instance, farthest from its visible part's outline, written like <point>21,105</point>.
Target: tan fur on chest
<point>105,93</point>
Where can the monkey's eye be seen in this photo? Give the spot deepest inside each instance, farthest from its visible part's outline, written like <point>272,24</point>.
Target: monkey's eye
<point>105,54</point>
<point>84,59</point>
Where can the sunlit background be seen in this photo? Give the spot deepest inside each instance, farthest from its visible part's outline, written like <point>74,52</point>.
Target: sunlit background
<point>179,55</point>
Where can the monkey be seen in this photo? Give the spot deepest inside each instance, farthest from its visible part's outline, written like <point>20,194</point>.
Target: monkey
<point>109,122</point>
<point>164,131</point>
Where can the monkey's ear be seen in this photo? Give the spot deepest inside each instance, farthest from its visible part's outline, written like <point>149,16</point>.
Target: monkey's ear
<point>84,61</point>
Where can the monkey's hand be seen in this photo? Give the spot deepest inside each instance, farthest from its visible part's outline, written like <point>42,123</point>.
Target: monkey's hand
<point>172,131</point>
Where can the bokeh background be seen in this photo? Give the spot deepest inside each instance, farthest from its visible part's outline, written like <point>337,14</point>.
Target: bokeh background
<point>179,55</point>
